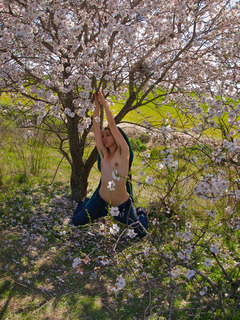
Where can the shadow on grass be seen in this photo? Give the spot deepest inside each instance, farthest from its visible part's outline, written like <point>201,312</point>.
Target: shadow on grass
<point>9,288</point>
<point>48,284</point>
<point>37,251</point>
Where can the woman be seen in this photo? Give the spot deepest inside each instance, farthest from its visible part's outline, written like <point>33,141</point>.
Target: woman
<point>112,195</point>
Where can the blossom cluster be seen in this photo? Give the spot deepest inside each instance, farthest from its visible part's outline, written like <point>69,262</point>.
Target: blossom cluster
<point>212,187</point>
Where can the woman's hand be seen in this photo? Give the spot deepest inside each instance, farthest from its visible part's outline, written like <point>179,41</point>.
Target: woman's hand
<point>101,98</point>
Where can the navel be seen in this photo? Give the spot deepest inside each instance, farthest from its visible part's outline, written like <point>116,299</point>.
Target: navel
<point>116,164</point>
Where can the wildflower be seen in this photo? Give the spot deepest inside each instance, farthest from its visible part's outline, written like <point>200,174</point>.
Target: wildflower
<point>97,119</point>
<point>179,235</point>
<point>181,255</point>
<point>208,262</point>
<point>211,213</point>
<point>131,233</point>
<point>160,166</point>
<point>203,291</point>
<point>190,273</point>
<point>229,209</point>
<point>149,180</point>
<point>114,211</point>
<point>174,165</point>
<point>115,175</point>
<point>188,224</point>
<point>142,173</point>
<point>212,124</point>
<point>214,248</point>
<point>104,260</point>
<point>154,222</point>
<point>187,236</point>
<point>146,251</point>
<point>76,262</point>
<point>175,273</point>
<point>111,185</point>
<point>166,129</point>
<point>121,282</point>
<point>114,229</point>
<point>102,230</point>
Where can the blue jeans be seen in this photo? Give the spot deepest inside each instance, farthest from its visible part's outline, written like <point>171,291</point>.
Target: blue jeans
<point>96,207</point>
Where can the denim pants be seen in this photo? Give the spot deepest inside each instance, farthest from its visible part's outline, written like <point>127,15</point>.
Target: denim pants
<point>96,207</point>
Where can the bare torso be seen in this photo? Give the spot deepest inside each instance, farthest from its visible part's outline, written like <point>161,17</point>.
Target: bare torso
<point>109,164</point>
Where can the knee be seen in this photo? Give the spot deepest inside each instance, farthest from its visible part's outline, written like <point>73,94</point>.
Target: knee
<point>80,219</point>
<point>74,221</point>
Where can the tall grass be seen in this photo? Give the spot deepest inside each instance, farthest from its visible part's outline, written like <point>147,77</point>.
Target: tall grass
<point>26,157</point>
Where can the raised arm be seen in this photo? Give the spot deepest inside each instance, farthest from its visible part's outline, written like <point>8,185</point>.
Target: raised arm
<point>118,137</point>
<point>97,131</point>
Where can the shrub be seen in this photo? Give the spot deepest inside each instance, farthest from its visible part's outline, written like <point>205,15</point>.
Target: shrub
<point>138,145</point>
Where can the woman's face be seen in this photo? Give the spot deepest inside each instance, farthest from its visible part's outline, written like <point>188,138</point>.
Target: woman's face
<point>108,139</point>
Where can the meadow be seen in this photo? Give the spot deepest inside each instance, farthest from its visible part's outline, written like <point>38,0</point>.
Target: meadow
<point>187,267</point>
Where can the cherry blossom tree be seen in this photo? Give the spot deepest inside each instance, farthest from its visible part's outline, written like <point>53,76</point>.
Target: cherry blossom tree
<point>55,54</point>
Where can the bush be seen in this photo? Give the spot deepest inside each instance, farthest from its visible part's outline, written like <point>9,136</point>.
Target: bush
<point>138,145</point>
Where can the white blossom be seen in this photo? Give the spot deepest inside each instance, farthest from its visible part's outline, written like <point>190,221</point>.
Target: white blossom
<point>208,262</point>
<point>190,273</point>
<point>203,291</point>
<point>214,248</point>
<point>165,129</point>
<point>176,273</point>
<point>181,255</point>
<point>76,262</point>
<point>115,175</point>
<point>146,251</point>
<point>104,260</point>
<point>121,283</point>
<point>111,185</point>
<point>131,233</point>
<point>114,211</point>
<point>213,186</point>
<point>187,236</point>
<point>149,180</point>
<point>97,119</point>
<point>114,229</point>
<point>211,213</point>
<point>160,166</point>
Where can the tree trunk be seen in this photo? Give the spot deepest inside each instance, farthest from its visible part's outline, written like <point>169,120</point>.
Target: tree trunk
<point>79,176</point>
<point>80,169</point>
<point>79,182</point>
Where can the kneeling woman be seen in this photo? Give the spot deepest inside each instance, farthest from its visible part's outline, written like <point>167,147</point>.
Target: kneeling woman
<point>115,157</point>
